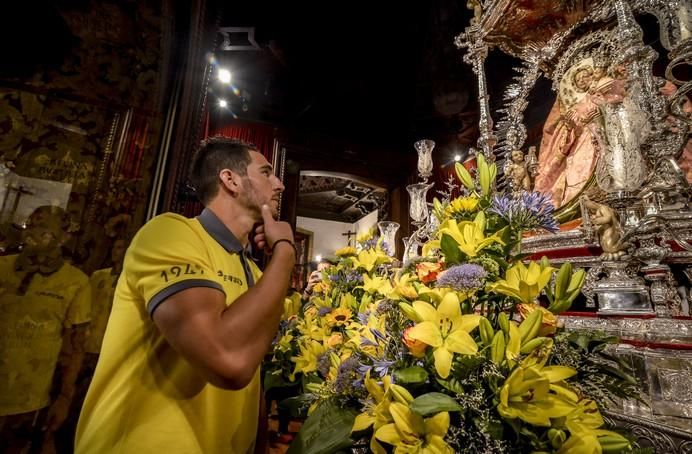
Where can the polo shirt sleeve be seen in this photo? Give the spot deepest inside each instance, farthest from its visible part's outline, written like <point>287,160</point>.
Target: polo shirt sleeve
<point>166,257</point>
<point>79,310</point>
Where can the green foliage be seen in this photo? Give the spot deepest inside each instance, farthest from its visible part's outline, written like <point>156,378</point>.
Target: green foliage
<point>327,430</point>
<point>431,403</point>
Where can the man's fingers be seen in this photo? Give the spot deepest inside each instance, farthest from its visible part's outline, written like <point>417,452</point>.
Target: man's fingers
<point>267,214</point>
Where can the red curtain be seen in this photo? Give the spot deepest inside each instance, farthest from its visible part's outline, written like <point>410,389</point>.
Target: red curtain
<point>261,135</point>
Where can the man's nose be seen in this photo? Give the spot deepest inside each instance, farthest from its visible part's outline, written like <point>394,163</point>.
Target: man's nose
<point>279,186</point>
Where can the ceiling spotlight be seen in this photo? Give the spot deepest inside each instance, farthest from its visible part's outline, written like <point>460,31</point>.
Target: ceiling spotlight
<point>318,258</point>
<point>457,157</point>
<point>224,75</point>
<point>223,103</point>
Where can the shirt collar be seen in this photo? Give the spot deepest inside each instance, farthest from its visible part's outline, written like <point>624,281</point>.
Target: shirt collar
<point>219,231</point>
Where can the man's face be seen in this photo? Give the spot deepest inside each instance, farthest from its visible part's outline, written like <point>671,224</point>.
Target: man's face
<point>43,233</point>
<point>261,186</point>
<point>118,251</point>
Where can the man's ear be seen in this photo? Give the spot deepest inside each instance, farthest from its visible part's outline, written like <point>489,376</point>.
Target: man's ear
<point>230,180</point>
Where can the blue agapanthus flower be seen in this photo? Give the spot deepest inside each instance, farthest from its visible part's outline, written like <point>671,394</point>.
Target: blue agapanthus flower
<point>369,244</point>
<point>468,276</point>
<point>324,311</point>
<point>526,211</point>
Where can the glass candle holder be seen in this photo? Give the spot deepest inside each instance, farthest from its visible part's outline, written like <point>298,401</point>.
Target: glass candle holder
<point>418,209</point>
<point>388,231</point>
<point>425,164</point>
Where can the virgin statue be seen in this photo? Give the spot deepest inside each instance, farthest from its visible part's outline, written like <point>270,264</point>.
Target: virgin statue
<point>571,134</point>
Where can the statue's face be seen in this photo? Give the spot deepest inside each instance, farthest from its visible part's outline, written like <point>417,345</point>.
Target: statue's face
<point>583,79</point>
<point>517,155</point>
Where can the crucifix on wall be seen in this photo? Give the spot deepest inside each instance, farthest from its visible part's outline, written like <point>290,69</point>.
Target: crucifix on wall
<point>349,234</point>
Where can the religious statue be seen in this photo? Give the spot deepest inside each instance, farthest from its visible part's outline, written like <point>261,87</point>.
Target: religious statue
<point>608,228</point>
<point>520,170</point>
<point>477,8</point>
<point>571,135</point>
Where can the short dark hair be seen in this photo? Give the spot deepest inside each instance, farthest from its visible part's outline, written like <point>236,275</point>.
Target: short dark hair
<point>214,155</point>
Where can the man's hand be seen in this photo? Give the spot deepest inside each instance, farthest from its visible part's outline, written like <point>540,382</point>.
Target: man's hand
<point>315,277</point>
<point>271,231</point>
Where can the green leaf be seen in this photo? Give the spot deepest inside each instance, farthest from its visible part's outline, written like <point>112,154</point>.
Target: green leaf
<point>451,384</point>
<point>413,375</point>
<point>450,249</point>
<point>276,380</point>
<point>327,430</point>
<point>431,403</point>
<point>297,406</point>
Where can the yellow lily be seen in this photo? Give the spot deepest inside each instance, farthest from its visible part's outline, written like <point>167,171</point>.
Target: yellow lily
<point>292,306</point>
<point>377,413</point>
<point>549,321</point>
<point>581,443</point>
<point>306,361</point>
<point>377,284</point>
<point>312,328</point>
<point>366,235</point>
<point>410,433</point>
<point>370,258</point>
<point>584,418</point>
<point>445,330</point>
<point>403,288</point>
<point>284,344</point>
<point>470,236</point>
<point>526,394</point>
<point>524,283</point>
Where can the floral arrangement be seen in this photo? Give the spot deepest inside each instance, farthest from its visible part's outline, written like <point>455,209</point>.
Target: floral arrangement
<point>458,351</point>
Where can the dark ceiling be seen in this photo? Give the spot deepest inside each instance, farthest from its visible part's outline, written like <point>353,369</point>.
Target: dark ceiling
<point>373,77</point>
<point>383,74</point>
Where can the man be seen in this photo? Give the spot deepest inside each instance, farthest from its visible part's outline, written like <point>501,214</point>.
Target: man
<point>315,277</point>
<point>44,308</point>
<point>193,317</point>
<point>102,283</point>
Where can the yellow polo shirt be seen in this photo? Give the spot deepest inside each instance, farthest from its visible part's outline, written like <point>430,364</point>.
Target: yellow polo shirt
<point>145,397</point>
<point>102,289</point>
<point>31,331</point>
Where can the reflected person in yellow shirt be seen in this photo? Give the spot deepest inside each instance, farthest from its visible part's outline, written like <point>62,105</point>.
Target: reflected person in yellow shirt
<point>102,284</point>
<point>44,308</point>
<point>193,317</point>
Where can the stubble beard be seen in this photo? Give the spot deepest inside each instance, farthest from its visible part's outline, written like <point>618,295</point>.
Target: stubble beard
<point>253,203</point>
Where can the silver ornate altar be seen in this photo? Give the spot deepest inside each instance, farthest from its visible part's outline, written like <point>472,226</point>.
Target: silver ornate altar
<point>635,228</point>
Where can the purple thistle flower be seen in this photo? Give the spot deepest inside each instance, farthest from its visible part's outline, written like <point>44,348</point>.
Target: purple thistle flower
<point>346,375</point>
<point>323,364</point>
<point>384,307</point>
<point>363,317</point>
<point>464,277</point>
